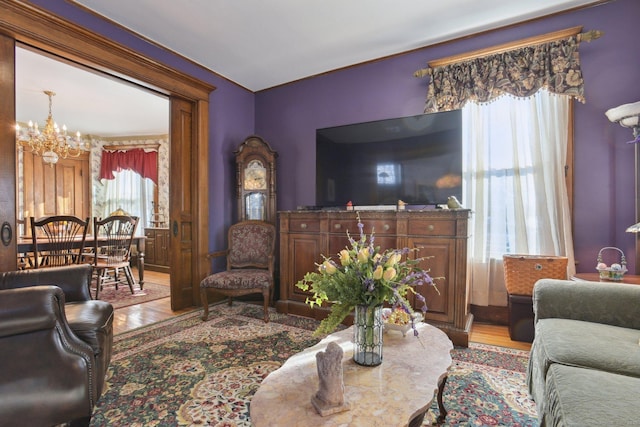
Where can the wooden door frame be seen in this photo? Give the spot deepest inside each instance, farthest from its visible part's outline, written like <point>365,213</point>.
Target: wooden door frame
<point>30,25</point>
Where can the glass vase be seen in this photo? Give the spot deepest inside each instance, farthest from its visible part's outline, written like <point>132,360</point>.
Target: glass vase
<point>367,335</point>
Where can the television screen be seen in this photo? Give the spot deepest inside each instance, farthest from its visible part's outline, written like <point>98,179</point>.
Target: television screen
<point>415,159</point>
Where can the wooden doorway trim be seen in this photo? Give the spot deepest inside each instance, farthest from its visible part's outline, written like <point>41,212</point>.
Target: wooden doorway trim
<point>30,25</point>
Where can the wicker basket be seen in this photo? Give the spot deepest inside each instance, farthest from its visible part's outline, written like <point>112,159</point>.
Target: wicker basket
<point>521,272</point>
<point>613,272</point>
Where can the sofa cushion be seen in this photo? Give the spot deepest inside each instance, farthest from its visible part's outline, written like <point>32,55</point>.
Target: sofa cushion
<point>584,344</point>
<point>90,321</point>
<point>591,345</point>
<point>586,397</point>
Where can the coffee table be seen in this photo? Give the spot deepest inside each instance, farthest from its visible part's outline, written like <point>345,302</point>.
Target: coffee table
<point>396,393</point>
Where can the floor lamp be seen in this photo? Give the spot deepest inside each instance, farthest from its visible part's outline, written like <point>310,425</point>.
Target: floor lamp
<point>628,115</point>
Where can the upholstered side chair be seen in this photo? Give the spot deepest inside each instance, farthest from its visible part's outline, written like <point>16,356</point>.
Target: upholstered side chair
<point>250,265</point>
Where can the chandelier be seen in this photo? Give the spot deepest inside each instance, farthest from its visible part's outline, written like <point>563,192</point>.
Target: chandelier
<point>51,143</point>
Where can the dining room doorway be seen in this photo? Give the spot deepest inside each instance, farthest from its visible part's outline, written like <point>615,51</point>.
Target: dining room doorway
<point>189,128</point>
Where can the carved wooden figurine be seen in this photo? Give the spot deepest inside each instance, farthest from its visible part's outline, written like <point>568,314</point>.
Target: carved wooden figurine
<point>330,396</point>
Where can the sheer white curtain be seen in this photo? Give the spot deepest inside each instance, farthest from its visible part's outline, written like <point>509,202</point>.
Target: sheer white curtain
<point>132,193</point>
<point>514,164</point>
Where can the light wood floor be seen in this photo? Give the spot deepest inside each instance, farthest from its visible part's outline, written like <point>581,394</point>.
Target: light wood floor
<point>135,316</point>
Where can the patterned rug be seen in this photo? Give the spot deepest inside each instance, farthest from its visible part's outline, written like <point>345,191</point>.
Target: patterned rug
<point>124,298</point>
<point>187,372</point>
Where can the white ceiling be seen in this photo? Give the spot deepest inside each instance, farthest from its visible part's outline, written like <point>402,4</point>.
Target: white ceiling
<point>260,44</point>
<point>85,101</point>
<point>255,43</point>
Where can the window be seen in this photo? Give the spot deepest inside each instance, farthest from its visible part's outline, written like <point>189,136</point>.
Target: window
<point>132,193</point>
<point>514,164</point>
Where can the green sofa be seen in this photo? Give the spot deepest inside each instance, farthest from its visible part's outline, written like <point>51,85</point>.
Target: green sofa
<point>584,367</point>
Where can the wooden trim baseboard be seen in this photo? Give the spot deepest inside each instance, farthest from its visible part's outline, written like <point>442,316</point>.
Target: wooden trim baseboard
<point>490,314</point>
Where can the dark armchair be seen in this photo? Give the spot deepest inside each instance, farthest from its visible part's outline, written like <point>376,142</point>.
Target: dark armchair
<point>250,264</point>
<point>55,346</point>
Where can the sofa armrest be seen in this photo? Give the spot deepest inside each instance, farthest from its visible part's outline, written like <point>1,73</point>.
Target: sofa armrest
<point>74,280</point>
<point>608,303</point>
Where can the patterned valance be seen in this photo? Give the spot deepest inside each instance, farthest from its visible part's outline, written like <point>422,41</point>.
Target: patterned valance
<point>554,65</point>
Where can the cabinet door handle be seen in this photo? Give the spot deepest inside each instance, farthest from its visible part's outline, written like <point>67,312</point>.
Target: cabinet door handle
<point>337,226</point>
<point>431,227</point>
<point>175,228</point>
<point>303,226</point>
<point>386,227</point>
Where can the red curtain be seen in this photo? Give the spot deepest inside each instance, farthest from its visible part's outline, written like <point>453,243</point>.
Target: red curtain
<point>137,160</point>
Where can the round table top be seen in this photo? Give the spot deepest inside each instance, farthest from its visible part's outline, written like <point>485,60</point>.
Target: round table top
<point>390,394</point>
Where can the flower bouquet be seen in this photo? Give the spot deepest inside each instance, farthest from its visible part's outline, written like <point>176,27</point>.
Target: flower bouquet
<point>364,275</point>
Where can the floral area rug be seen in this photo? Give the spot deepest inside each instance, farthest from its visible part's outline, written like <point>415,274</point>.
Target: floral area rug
<point>486,387</point>
<point>184,371</point>
<point>124,298</point>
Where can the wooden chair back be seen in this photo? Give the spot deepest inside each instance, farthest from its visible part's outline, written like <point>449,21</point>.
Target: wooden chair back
<point>58,240</point>
<point>114,237</point>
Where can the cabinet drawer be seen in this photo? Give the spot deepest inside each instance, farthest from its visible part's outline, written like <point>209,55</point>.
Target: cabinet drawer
<point>432,228</point>
<point>378,226</point>
<point>304,225</point>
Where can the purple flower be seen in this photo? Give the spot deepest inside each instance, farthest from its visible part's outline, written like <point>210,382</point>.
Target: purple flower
<point>371,286</point>
<point>423,301</point>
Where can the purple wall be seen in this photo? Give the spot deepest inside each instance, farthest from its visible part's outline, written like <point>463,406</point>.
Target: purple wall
<point>231,113</point>
<point>288,116</point>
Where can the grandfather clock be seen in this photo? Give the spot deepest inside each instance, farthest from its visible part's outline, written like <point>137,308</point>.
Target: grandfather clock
<point>256,180</point>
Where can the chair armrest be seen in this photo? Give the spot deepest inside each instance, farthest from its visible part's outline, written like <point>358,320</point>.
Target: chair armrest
<point>42,360</point>
<point>608,303</point>
<point>74,280</point>
<point>216,254</point>
<point>29,309</point>
<point>272,264</point>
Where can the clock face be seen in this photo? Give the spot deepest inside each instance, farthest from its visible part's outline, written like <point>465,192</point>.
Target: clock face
<point>255,176</point>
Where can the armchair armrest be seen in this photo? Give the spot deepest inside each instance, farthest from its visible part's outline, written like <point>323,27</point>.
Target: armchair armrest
<point>74,280</point>
<point>42,360</point>
<point>609,303</point>
<point>216,254</point>
<point>38,308</point>
<point>28,309</point>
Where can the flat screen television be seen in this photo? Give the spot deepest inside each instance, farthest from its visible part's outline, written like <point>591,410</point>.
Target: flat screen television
<point>415,159</point>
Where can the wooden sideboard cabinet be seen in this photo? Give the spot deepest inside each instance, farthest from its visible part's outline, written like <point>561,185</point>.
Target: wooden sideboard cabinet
<point>157,249</point>
<point>441,235</point>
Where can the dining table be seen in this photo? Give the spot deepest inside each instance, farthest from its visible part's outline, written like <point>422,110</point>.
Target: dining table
<point>25,246</point>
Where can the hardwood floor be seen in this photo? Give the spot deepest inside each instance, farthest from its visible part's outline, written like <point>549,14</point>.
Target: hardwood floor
<point>135,316</point>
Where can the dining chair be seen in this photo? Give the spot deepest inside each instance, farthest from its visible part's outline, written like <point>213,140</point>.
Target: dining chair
<point>25,259</point>
<point>58,240</point>
<point>112,250</point>
<point>250,264</point>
